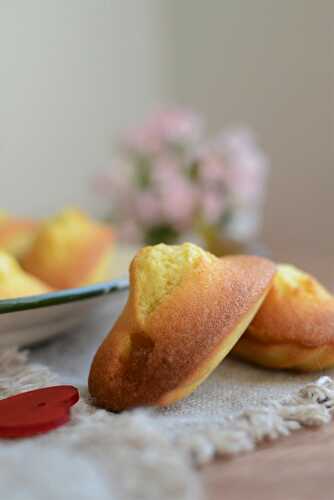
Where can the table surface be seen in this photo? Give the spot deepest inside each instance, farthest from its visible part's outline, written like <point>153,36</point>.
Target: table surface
<point>299,467</point>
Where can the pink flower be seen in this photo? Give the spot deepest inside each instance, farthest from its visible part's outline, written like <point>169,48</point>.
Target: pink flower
<point>178,125</point>
<point>143,141</point>
<point>178,197</point>
<point>246,166</point>
<point>178,204</point>
<point>213,205</point>
<point>213,186</point>
<point>164,127</point>
<point>245,183</point>
<point>147,208</point>
<point>212,169</point>
<point>166,169</point>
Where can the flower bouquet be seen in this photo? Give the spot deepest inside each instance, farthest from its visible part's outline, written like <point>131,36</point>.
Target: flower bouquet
<point>169,181</point>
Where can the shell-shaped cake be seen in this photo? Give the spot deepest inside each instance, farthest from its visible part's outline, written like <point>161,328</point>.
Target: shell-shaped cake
<point>294,328</point>
<point>16,235</point>
<point>15,282</point>
<point>70,250</point>
<point>186,310</point>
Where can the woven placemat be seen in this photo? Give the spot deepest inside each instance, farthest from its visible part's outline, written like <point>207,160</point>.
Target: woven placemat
<point>146,454</point>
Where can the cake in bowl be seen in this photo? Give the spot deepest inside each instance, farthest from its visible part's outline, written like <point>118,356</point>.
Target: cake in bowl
<point>70,250</point>
<point>15,282</point>
<point>16,234</point>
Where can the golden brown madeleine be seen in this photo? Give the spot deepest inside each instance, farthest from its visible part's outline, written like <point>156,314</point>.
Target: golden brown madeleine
<point>295,326</point>
<point>16,235</point>
<point>186,310</point>
<point>70,250</point>
<point>14,282</point>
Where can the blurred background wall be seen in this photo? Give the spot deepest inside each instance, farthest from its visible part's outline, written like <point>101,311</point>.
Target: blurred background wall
<point>74,73</point>
<point>268,64</point>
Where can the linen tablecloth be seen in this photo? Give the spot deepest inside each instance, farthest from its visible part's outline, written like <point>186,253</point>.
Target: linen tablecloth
<point>145,454</point>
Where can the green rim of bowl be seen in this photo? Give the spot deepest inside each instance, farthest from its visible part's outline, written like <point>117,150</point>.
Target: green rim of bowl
<point>62,296</point>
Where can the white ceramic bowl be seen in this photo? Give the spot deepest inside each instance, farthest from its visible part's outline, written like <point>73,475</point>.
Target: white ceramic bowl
<point>29,320</point>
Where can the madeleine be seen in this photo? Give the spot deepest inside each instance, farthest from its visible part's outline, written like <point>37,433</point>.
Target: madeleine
<point>294,327</point>
<point>186,310</point>
<point>14,282</point>
<point>70,250</point>
<point>16,235</point>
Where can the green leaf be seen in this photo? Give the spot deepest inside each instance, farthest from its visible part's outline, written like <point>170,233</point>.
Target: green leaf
<point>161,234</point>
<point>194,171</point>
<point>143,172</point>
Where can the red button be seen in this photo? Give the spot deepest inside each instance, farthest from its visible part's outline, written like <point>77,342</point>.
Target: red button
<point>37,411</point>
